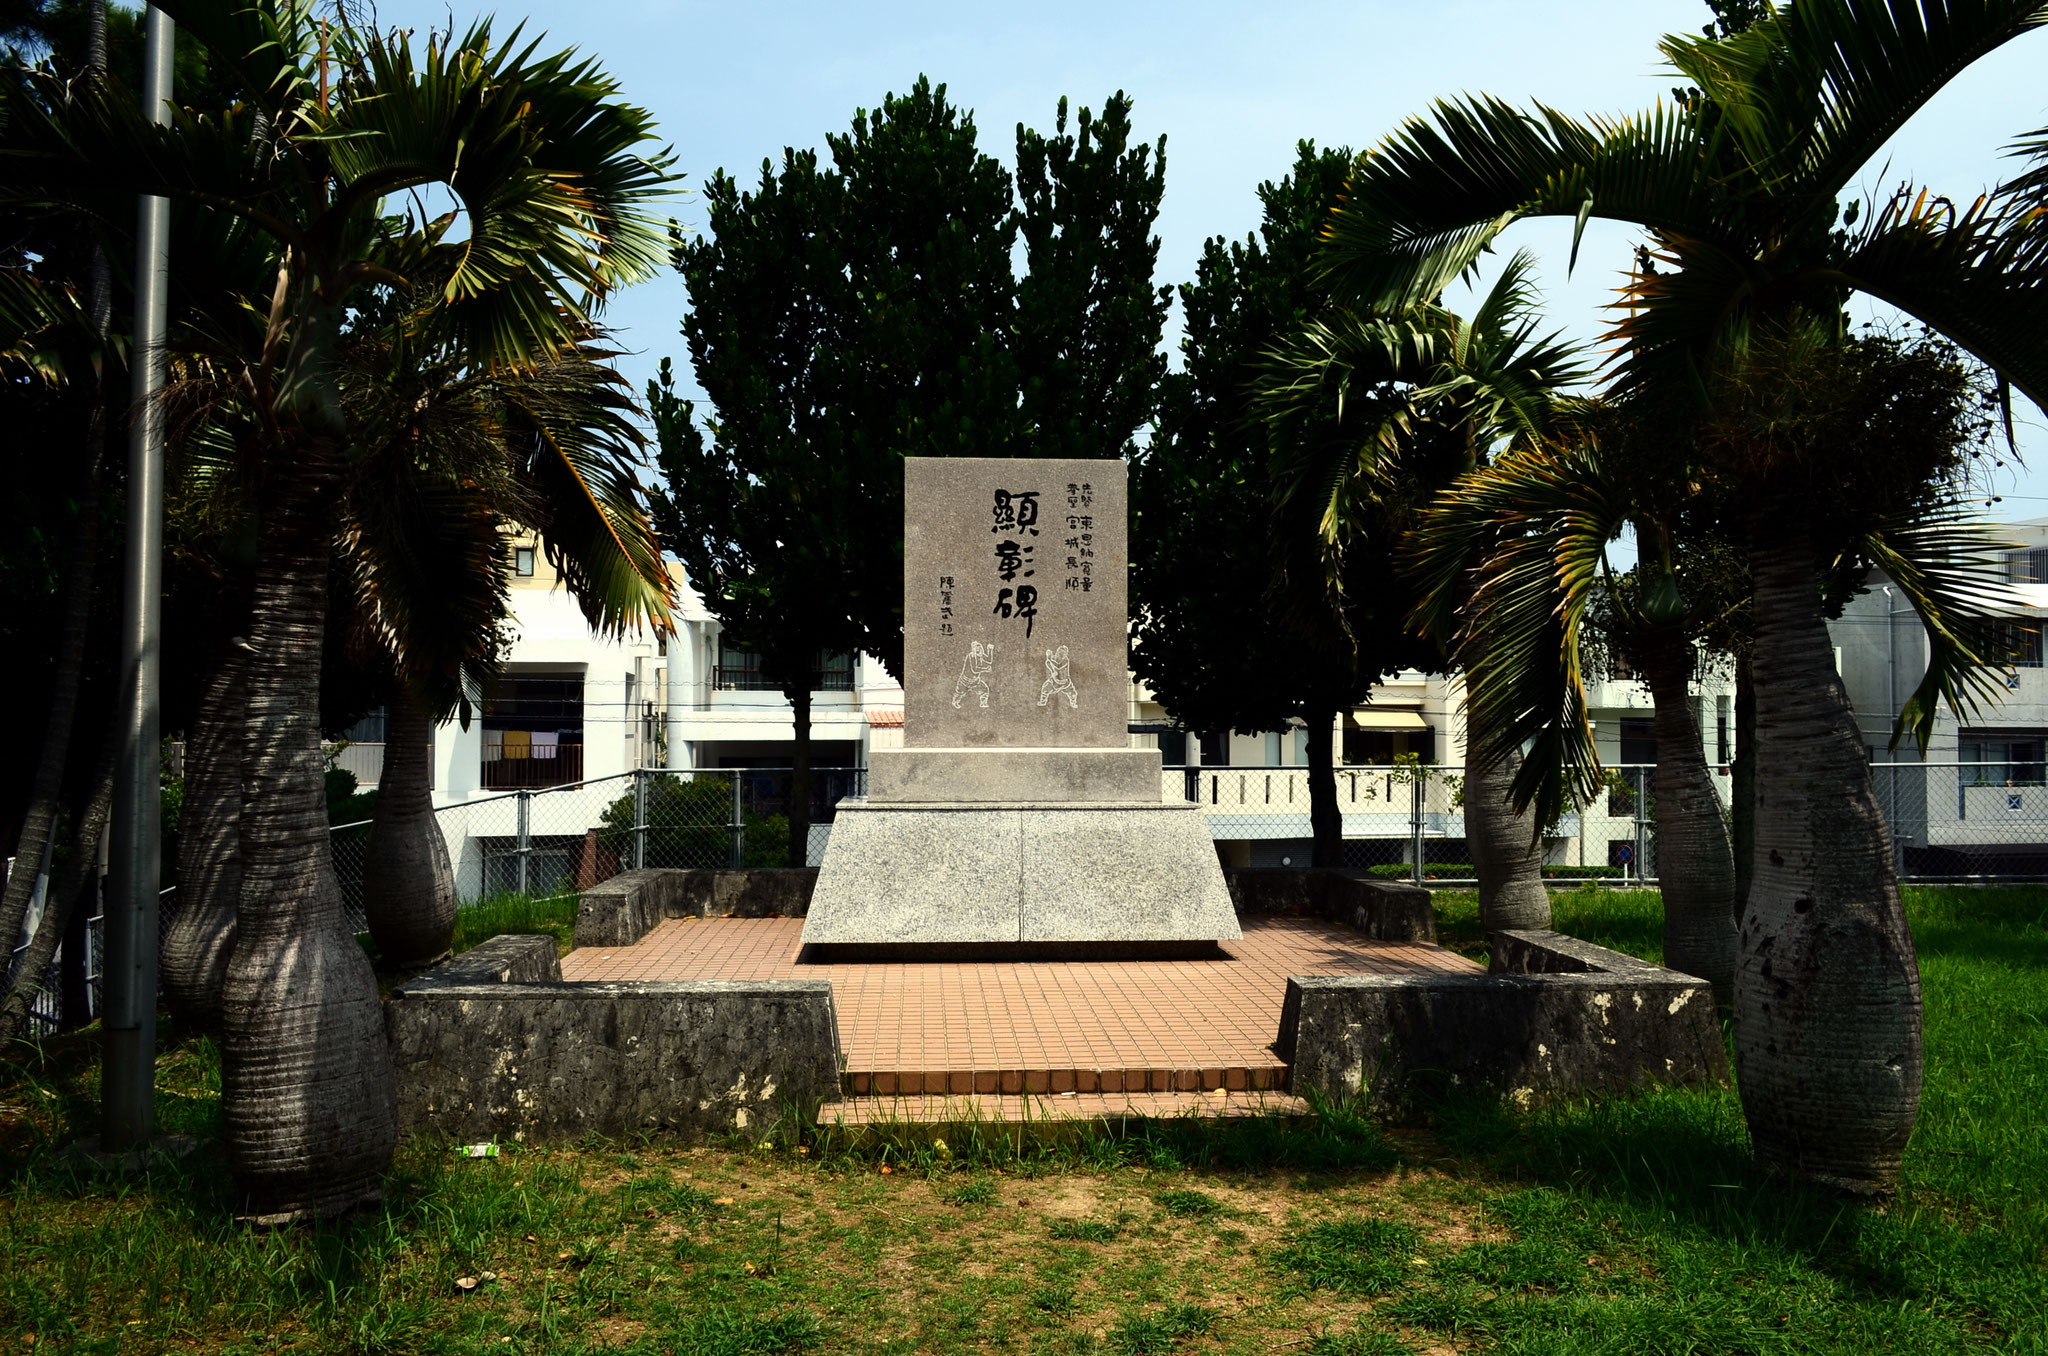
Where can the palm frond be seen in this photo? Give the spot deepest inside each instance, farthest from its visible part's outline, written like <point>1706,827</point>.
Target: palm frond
<point>1813,92</point>
<point>1529,533</point>
<point>1951,565</point>
<point>1978,274</point>
<point>578,448</point>
<point>1425,205</point>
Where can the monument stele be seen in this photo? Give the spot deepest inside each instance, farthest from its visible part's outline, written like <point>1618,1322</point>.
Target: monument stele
<point>1017,818</point>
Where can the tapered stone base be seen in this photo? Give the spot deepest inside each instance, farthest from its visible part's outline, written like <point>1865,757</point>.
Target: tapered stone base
<point>1021,874</point>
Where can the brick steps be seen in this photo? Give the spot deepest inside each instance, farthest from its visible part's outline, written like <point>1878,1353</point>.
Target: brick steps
<point>859,1112</point>
<point>998,1081</point>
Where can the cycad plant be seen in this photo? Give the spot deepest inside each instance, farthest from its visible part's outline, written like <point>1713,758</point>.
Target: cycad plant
<point>548,167</point>
<point>1408,389</point>
<point>1750,262</point>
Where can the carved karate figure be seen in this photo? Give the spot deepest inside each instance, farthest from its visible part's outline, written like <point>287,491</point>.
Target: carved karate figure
<point>1059,679</point>
<point>974,671</point>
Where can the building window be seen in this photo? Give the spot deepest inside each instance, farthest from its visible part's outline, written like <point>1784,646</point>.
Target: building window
<point>2023,644</point>
<point>522,561</point>
<point>1638,742</point>
<point>533,731</point>
<point>2027,567</point>
<point>1276,755</point>
<point>1216,748</point>
<point>1721,731</point>
<point>1999,758</point>
<point>739,670</point>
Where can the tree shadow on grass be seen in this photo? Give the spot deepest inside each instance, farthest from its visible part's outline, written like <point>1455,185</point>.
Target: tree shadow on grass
<point>1672,1168</point>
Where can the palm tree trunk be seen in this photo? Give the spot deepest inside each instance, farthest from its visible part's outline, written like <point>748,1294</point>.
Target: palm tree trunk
<point>1325,819</point>
<point>1695,868</point>
<point>1742,787</point>
<point>307,1095</point>
<point>65,901</point>
<point>408,881</point>
<point>1508,858</point>
<point>1827,988</point>
<point>38,827</point>
<point>800,777</point>
<point>37,842</point>
<point>1506,851</point>
<point>201,934</point>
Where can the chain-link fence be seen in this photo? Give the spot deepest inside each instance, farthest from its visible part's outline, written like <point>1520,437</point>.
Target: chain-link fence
<point>1973,822</point>
<point>572,837</point>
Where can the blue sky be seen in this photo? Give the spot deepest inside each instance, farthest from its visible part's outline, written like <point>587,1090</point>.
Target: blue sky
<point>1233,87</point>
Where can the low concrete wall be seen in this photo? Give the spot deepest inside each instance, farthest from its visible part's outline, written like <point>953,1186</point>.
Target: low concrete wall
<point>495,1046</point>
<point>622,910</point>
<point>1384,910</point>
<point>1556,1017</point>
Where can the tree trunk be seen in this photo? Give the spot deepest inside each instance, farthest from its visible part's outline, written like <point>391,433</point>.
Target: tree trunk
<point>1506,854</point>
<point>201,934</point>
<point>1695,868</point>
<point>1827,989</point>
<point>307,1095</point>
<point>39,826</point>
<point>1325,819</point>
<point>800,777</point>
<point>1506,849</point>
<point>65,902</point>
<point>408,881</point>
<point>1742,788</point>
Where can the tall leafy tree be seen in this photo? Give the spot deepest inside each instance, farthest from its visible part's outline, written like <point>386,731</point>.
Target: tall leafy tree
<point>845,317</point>
<point>546,162</point>
<point>1739,187</point>
<point>1233,626</point>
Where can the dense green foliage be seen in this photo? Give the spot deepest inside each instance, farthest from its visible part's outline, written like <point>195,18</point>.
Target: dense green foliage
<point>1230,631</point>
<point>845,317</point>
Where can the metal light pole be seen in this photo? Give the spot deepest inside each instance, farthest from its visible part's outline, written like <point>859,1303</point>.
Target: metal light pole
<point>128,1081</point>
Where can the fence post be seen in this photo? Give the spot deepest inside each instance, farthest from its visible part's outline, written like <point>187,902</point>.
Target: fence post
<point>1415,792</point>
<point>1642,804</point>
<point>739,846</point>
<point>525,835</point>
<point>640,819</point>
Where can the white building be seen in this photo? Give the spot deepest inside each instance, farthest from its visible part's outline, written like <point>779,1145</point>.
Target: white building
<point>1977,803</point>
<point>575,714</point>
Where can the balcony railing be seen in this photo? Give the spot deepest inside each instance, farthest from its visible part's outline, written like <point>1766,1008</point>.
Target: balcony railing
<point>552,765</point>
<point>365,761</point>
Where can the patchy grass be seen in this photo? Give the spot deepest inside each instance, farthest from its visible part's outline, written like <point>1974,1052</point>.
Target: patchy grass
<point>1618,1226</point>
<point>509,912</point>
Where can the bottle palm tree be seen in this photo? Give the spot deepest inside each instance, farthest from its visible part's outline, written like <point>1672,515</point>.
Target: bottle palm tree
<point>1535,527</point>
<point>544,160</point>
<point>1750,264</point>
<point>1423,388</point>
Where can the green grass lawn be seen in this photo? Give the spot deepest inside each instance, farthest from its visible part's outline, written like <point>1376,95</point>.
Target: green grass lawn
<point>1613,1227</point>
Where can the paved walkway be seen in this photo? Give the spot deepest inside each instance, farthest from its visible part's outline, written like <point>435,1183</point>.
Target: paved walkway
<point>1108,1028</point>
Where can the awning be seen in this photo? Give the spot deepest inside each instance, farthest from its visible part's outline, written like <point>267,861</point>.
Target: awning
<point>1371,718</point>
<point>882,718</point>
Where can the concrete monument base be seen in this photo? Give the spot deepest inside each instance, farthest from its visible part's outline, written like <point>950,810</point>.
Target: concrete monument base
<point>994,878</point>
<point>1013,776</point>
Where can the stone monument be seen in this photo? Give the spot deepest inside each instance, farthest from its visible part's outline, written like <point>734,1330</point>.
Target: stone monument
<point>1017,819</point>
